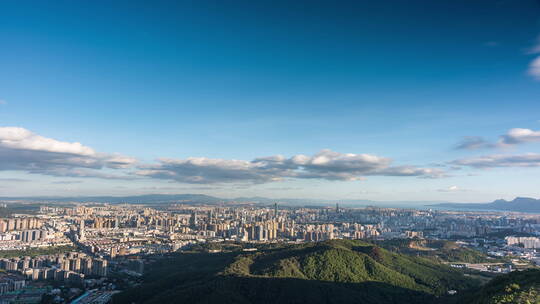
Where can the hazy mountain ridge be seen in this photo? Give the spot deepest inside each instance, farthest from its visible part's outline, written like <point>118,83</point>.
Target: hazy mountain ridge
<point>519,204</point>
<point>207,199</point>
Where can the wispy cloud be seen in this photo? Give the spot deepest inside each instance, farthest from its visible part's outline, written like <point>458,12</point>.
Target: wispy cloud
<point>66,182</point>
<point>474,143</point>
<point>14,180</point>
<point>178,188</point>
<point>3,102</point>
<point>452,189</point>
<point>492,44</point>
<point>535,49</point>
<point>534,66</point>
<point>500,160</point>
<point>514,136</point>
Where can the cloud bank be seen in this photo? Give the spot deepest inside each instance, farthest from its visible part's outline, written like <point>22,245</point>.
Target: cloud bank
<point>23,150</point>
<point>326,164</point>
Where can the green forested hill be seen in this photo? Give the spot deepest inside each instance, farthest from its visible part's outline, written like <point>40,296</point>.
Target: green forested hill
<point>327,272</point>
<point>438,250</point>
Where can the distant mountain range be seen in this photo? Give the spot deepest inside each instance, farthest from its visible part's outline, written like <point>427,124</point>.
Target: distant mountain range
<point>519,204</point>
<point>206,199</point>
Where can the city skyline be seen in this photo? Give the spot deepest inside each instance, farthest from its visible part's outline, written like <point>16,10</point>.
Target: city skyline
<point>424,101</point>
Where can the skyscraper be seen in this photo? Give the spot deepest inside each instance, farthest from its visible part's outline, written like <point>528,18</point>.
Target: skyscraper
<point>193,220</point>
<point>82,237</point>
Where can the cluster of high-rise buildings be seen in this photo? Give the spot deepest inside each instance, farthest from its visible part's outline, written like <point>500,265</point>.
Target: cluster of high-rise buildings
<point>526,242</point>
<point>262,231</point>
<point>126,229</point>
<point>22,232</point>
<point>20,223</point>
<point>25,229</point>
<point>73,266</point>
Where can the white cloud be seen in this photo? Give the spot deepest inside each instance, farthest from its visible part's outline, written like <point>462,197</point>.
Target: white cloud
<point>3,102</point>
<point>519,135</point>
<point>23,150</point>
<point>326,164</point>
<point>22,139</point>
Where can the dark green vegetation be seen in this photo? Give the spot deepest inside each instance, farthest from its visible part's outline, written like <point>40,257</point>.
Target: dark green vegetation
<point>327,272</point>
<point>504,233</point>
<point>36,251</point>
<point>438,250</point>
<point>518,287</point>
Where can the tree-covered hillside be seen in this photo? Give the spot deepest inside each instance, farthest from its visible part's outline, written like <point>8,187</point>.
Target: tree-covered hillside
<point>438,250</point>
<point>327,272</point>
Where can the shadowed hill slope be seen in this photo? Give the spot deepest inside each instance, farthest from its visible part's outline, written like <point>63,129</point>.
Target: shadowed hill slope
<point>336,271</point>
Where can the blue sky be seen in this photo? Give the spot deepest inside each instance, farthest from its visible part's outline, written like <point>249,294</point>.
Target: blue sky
<point>403,81</point>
